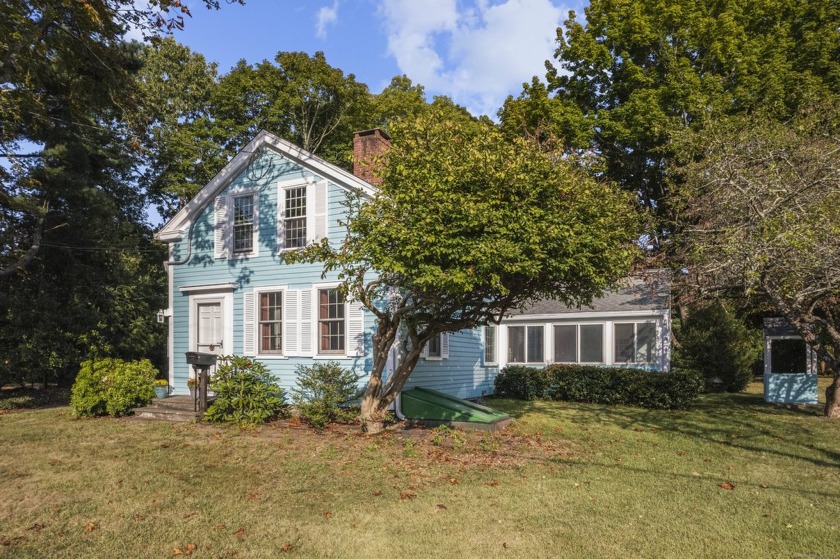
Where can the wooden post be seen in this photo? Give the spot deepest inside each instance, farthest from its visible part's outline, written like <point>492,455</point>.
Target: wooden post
<point>202,391</point>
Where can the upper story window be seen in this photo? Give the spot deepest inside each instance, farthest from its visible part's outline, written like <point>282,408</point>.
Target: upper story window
<point>525,344</point>
<point>635,342</point>
<point>271,322</point>
<point>331,324</point>
<point>294,217</point>
<point>243,223</point>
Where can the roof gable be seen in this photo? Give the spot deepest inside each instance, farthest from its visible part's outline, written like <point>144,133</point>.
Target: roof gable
<point>171,231</point>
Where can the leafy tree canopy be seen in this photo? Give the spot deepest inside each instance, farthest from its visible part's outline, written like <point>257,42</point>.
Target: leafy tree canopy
<point>763,206</point>
<point>637,71</point>
<point>467,226</point>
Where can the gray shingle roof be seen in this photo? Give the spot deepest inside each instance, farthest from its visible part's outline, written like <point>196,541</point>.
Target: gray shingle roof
<point>649,292</point>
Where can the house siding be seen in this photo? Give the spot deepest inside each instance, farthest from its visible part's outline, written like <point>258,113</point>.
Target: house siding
<point>462,374</point>
<point>246,273</point>
<point>201,273</point>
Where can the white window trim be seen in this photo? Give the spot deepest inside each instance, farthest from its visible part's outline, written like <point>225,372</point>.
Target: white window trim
<point>255,246</point>
<point>316,330</point>
<point>545,360</point>
<point>606,332</point>
<point>635,323</point>
<point>311,215</point>
<point>495,361</point>
<point>257,337</point>
<point>226,300</point>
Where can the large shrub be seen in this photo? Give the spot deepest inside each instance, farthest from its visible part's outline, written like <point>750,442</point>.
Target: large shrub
<point>635,387</point>
<point>323,392</point>
<point>112,387</point>
<point>521,382</point>
<point>716,343</point>
<point>246,393</point>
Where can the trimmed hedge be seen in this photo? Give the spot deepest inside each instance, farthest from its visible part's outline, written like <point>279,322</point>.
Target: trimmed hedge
<point>601,385</point>
<point>521,383</point>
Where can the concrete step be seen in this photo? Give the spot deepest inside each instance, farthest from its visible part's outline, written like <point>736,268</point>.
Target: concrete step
<point>174,402</point>
<point>167,414</point>
<point>174,408</point>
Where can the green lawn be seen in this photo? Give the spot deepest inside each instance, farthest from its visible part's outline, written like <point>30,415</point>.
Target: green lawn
<point>567,480</point>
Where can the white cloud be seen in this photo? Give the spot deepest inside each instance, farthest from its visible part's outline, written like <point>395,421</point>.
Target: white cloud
<point>327,16</point>
<point>477,54</point>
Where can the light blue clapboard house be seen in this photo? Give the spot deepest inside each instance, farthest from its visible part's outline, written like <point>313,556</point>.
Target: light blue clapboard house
<point>230,291</point>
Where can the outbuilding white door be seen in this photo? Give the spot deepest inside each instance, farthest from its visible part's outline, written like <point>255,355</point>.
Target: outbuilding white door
<point>210,327</point>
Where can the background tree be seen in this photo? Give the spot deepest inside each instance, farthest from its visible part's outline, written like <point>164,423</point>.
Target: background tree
<point>301,98</point>
<point>467,226</point>
<point>638,71</point>
<point>717,343</point>
<point>78,270</point>
<point>177,152</point>
<point>764,211</point>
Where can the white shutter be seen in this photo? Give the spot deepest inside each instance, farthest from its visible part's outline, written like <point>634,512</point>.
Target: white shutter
<point>355,329</point>
<point>444,345</point>
<point>222,231</point>
<point>281,229</point>
<point>316,211</point>
<point>305,322</point>
<point>424,353</point>
<point>291,322</point>
<point>249,326</point>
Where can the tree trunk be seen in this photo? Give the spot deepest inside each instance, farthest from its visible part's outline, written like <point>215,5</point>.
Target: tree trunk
<point>832,398</point>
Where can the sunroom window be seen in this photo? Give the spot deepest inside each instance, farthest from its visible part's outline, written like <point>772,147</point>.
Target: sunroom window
<point>525,344</point>
<point>635,342</point>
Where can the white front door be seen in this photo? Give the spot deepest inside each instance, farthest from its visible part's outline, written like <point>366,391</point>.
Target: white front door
<point>210,327</point>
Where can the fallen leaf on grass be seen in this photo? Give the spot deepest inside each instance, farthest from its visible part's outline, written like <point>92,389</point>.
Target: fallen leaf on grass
<point>377,493</point>
<point>254,496</point>
<point>492,484</point>
<point>287,547</point>
<point>90,527</point>
<point>764,486</point>
<point>327,514</point>
<point>221,526</point>
<point>407,495</point>
<point>504,545</point>
<point>189,514</point>
<point>441,506</point>
<point>176,551</point>
<point>36,527</point>
<point>454,481</point>
<point>190,548</point>
<point>239,533</point>
<point>726,485</point>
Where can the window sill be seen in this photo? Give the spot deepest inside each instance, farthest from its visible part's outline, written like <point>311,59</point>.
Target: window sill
<point>272,356</point>
<point>331,356</point>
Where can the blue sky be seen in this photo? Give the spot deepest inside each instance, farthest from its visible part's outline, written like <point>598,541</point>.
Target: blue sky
<point>475,51</point>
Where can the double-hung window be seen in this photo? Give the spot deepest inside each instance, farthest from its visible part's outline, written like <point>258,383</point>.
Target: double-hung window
<point>525,344</point>
<point>578,343</point>
<point>271,322</point>
<point>433,347</point>
<point>294,217</point>
<point>331,324</point>
<point>489,344</point>
<point>635,342</point>
<point>243,224</point>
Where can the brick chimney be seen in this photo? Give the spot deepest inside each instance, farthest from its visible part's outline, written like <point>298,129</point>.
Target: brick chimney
<point>367,145</point>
